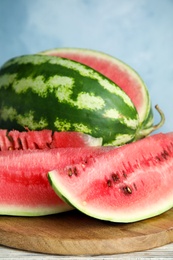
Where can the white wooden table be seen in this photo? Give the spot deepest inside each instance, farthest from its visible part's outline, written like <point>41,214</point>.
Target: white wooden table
<point>164,252</point>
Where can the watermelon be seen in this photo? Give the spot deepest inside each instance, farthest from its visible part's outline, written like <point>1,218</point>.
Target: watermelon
<point>24,186</point>
<point>117,71</point>
<point>39,91</point>
<point>44,139</point>
<point>127,184</point>
<point>63,95</point>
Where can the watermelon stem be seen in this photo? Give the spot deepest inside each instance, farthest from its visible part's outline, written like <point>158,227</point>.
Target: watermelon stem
<point>145,132</point>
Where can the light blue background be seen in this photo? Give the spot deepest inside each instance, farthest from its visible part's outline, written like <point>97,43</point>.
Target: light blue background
<point>139,32</point>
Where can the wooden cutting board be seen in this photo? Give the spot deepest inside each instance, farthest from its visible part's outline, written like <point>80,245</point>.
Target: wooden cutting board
<point>73,233</point>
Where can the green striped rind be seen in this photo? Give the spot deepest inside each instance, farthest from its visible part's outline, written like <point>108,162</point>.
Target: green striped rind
<point>149,120</point>
<point>31,211</point>
<point>146,118</point>
<point>48,92</point>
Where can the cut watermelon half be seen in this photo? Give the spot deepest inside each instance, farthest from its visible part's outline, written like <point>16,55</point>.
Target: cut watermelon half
<point>116,70</point>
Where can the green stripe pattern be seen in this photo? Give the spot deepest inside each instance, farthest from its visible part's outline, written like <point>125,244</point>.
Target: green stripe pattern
<point>41,92</point>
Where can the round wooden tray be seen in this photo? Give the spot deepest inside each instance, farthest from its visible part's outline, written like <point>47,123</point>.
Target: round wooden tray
<point>73,233</point>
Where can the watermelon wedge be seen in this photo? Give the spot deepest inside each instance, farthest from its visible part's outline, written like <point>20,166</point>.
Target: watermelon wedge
<point>24,186</point>
<point>127,184</point>
<point>119,72</point>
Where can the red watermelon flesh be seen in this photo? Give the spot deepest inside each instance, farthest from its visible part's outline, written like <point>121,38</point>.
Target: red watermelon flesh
<point>116,70</point>
<point>24,185</point>
<point>44,139</point>
<point>74,139</point>
<point>127,184</point>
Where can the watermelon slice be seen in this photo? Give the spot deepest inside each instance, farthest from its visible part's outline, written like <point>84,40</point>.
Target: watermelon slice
<point>24,186</point>
<point>116,70</point>
<point>127,184</point>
